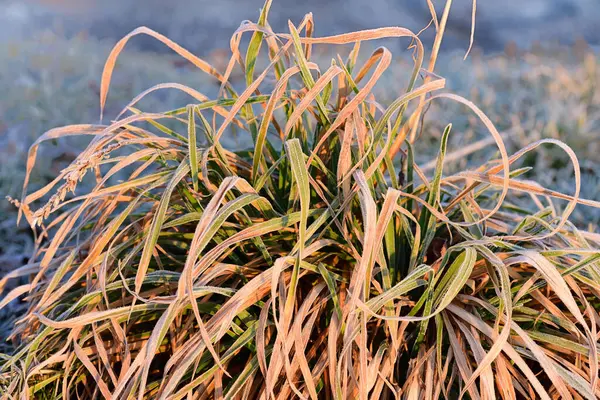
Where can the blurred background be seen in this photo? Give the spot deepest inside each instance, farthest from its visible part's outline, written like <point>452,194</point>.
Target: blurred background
<point>533,70</point>
<point>204,25</point>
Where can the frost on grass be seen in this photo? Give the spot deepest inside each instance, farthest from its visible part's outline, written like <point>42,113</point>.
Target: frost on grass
<point>330,256</point>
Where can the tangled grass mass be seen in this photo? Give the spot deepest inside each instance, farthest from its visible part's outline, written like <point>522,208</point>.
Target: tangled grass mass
<point>319,262</point>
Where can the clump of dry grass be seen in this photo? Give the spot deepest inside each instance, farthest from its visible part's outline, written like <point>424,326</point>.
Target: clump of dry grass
<point>321,262</point>
<point>46,84</point>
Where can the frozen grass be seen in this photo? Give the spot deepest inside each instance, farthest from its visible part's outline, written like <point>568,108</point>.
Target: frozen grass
<point>45,84</point>
<point>324,255</point>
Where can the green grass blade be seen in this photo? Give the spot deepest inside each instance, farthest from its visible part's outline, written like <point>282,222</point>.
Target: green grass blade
<point>192,144</point>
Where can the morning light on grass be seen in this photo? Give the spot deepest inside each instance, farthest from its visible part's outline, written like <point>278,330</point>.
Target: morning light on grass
<point>319,258</point>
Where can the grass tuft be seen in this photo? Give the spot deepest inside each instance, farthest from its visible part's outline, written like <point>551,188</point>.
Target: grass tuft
<point>322,261</point>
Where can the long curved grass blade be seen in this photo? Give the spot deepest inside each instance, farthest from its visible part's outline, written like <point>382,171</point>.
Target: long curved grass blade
<point>296,158</point>
<point>427,221</point>
<point>114,54</point>
<point>157,223</point>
